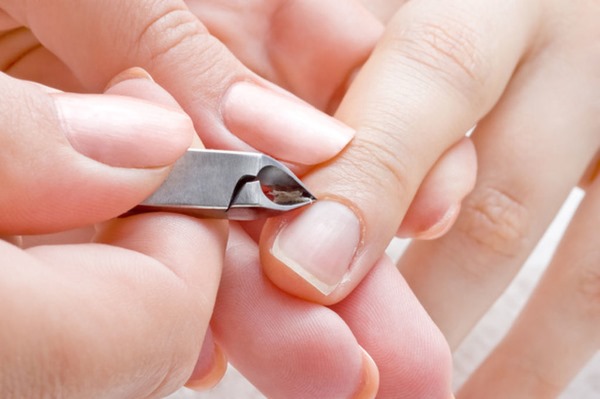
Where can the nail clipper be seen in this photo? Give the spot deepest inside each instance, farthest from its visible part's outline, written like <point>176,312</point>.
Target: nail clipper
<point>228,185</point>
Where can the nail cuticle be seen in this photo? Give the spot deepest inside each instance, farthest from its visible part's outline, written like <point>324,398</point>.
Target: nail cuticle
<point>320,245</point>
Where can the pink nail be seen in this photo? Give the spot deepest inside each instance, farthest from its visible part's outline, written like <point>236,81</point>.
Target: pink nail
<point>441,227</point>
<point>319,244</point>
<point>282,126</point>
<point>123,131</point>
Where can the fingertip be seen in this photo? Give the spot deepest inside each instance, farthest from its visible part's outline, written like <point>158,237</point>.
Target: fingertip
<point>424,224</point>
<point>437,204</point>
<point>316,253</point>
<point>383,308</point>
<point>369,383</point>
<point>76,159</point>
<point>129,74</point>
<point>287,348</point>
<point>288,274</point>
<point>123,131</point>
<point>138,83</point>
<point>209,369</point>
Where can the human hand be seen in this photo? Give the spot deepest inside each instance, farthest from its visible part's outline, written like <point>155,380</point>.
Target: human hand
<point>97,319</point>
<point>201,86</point>
<point>525,73</point>
<point>290,348</point>
<point>232,107</point>
<point>121,149</point>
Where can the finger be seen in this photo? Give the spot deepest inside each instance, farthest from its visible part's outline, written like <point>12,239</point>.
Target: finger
<point>202,281</point>
<point>309,47</point>
<point>70,159</point>
<point>557,332</point>
<point>449,64</point>
<point>437,202</point>
<point>286,347</point>
<point>93,320</point>
<point>231,107</point>
<point>521,185</point>
<point>22,56</point>
<point>210,367</point>
<point>411,354</point>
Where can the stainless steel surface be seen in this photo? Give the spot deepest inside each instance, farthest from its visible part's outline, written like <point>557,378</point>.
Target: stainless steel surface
<point>228,185</point>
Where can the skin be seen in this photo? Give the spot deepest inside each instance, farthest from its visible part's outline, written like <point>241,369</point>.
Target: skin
<point>132,262</point>
<point>531,87</point>
<point>76,73</point>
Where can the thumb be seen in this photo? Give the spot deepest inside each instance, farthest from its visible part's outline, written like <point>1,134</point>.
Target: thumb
<point>69,160</point>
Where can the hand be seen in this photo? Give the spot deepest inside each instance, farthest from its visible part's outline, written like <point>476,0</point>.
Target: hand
<point>289,348</point>
<point>525,74</point>
<point>231,107</point>
<point>162,39</point>
<point>98,156</point>
<point>97,320</point>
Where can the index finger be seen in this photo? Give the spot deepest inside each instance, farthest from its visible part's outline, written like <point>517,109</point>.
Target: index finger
<point>438,69</point>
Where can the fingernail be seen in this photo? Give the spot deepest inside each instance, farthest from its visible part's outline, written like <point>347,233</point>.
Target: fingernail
<point>319,244</point>
<point>123,131</point>
<point>283,126</point>
<point>129,74</point>
<point>369,384</point>
<point>441,227</point>
<point>201,381</point>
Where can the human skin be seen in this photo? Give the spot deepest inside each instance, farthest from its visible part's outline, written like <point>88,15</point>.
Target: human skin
<point>203,77</point>
<point>526,74</point>
<point>67,79</point>
<point>75,316</point>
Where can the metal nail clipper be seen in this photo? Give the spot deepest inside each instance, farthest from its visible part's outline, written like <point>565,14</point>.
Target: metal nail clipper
<point>228,185</point>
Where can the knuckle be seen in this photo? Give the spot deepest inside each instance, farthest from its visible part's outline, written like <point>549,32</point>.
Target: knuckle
<point>495,222</point>
<point>170,26</point>
<point>379,163</point>
<point>449,50</point>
